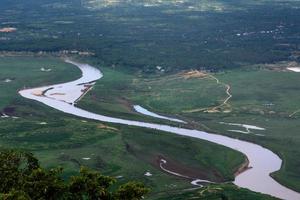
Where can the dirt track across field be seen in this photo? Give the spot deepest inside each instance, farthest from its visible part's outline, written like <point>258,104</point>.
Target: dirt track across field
<point>215,109</point>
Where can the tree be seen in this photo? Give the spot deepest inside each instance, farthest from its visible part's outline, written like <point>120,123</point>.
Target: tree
<point>90,184</point>
<point>22,178</point>
<point>131,191</point>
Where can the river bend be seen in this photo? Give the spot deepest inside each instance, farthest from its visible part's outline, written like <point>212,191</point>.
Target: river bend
<point>262,161</point>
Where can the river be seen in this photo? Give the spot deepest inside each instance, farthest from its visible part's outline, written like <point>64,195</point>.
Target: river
<point>262,161</point>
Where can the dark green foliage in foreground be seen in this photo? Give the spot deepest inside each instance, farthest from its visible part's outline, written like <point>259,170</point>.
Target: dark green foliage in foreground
<point>22,178</point>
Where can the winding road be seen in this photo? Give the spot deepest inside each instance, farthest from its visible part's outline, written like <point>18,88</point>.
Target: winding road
<point>262,161</point>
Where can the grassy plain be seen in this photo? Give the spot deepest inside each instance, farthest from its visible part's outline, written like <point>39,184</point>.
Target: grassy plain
<point>124,152</point>
<point>262,97</point>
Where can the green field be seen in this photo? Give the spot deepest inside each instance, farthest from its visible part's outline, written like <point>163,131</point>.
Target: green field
<point>252,110</point>
<point>261,97</point>
<point>120,151</point>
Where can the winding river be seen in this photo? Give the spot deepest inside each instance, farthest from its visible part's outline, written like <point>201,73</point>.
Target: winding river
<point>262,161</point>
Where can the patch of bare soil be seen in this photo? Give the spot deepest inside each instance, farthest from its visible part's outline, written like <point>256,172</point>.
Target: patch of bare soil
<point>179,168</point>
<point>38,93</point>
<point>193,74</point>
<point>102,126</point>
<point>243,167</point>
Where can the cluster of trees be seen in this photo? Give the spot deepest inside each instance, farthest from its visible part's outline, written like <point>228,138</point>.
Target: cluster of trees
<point>178,41</point>
<point>22,178</point>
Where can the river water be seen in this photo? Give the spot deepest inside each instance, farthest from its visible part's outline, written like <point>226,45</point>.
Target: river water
<point>144,111</point>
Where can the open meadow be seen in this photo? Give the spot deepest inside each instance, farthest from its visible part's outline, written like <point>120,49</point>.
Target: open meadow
<point>261,97</point>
